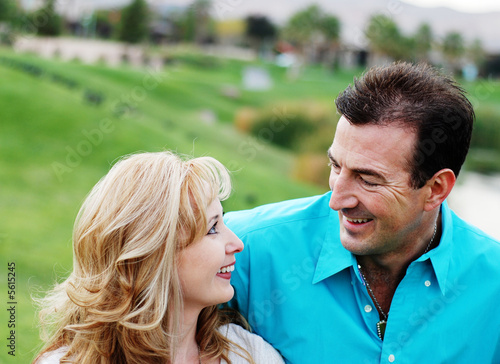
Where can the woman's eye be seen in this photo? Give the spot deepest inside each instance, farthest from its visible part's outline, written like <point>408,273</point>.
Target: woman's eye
<point>213,229</point>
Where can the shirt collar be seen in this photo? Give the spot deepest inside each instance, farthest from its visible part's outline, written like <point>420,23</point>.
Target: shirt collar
<point>441,255</point>
<point>334,258</point>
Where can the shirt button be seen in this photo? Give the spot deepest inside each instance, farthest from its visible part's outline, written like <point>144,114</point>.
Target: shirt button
<point>368,308</point>
<point>392,358</point>
<point>427,283</point>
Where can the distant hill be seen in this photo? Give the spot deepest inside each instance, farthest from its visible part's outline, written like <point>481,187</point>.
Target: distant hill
<point>353,14</point>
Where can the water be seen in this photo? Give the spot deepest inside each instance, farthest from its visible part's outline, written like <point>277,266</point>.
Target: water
<point>476,199</point>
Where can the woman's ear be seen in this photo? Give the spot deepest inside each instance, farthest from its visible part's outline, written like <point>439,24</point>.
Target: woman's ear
<point>440,186</point>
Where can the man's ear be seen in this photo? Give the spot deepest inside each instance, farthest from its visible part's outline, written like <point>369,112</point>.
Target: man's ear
<point>439,187</point>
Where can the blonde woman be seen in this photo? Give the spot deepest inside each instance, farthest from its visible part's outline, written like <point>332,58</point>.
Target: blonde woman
<point>152,260</point>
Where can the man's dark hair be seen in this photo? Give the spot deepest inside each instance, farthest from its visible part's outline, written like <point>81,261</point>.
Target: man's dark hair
<point>418,97</point>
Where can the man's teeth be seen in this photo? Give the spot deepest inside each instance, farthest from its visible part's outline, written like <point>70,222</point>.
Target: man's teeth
<point>226,269</point>
<point>357,221</point>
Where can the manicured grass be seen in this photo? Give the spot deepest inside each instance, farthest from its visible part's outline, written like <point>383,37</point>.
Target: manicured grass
<point>55,145</point>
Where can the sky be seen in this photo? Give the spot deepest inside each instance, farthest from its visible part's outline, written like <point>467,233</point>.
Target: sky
<point>468,6</point>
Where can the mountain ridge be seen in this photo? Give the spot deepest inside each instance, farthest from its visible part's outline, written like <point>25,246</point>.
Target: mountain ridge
<point>353,14</point>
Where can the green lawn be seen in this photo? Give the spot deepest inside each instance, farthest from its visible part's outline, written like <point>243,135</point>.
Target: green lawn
<point>55,145</point>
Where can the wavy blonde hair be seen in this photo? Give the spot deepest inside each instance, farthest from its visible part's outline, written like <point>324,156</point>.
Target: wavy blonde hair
<point>123,302</point>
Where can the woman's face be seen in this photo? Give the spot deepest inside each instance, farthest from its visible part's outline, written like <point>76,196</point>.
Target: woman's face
<point>205,266</point>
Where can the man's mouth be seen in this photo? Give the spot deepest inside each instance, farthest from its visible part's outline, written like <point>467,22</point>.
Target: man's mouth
<point>357,221</point>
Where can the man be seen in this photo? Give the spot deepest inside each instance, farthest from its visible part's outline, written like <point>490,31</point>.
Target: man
<point>378,270</point>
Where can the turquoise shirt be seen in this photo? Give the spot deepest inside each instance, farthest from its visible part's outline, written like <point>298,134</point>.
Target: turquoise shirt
<point>302,291</point>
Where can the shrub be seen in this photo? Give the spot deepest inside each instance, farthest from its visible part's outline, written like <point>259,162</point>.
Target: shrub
<point>301,127</point>
<point>486,132</point>
<point>244,118</point>
<point>312,168</point>
<point>285,133</point>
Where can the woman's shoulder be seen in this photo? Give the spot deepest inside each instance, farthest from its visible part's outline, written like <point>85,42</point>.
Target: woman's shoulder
<point>52,357</point>
<point>260,350</point>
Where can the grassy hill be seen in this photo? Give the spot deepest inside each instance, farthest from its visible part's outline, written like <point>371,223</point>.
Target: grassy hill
<point>64,124</point>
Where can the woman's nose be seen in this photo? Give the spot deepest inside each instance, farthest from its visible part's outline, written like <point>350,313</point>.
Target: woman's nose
<point>234,244</point>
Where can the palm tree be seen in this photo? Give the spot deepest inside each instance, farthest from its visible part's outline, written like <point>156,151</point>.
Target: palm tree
<point>311,29</point>
<point>453,48</point>
<point>386,39</point>
<point>423,42</point>
<point>134,23</point>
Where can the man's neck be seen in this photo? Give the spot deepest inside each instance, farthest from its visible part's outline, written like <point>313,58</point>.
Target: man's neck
<point>384,272</point>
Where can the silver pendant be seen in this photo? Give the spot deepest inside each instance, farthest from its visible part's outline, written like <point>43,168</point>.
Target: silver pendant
<point>381,329</point>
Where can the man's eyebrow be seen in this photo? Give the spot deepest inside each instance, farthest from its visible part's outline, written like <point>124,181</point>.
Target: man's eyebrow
<point>331,156</point>
<point>369,172</point>
<point>363,171</point>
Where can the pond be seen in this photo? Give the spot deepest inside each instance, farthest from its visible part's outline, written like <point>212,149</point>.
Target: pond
<point>476,199</point>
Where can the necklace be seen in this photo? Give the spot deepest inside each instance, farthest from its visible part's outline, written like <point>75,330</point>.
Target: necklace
<point>432,239</point>
<point>199,355</point>
<point>381,325</point>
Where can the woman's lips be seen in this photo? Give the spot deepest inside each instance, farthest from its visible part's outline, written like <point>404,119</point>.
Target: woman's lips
<point>225,272</point>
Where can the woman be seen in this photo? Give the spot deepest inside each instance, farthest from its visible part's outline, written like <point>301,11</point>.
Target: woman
<point>152,260</point>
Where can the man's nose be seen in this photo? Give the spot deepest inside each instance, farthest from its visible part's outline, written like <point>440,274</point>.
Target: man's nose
<point>343,192</point>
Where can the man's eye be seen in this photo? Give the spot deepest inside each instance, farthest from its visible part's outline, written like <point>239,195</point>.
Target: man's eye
<point>368,183</point>
<point>333,165</point>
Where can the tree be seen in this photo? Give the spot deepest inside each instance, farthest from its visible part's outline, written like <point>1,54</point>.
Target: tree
<point>196,23</point>
<point>453,48</point>
<point>259,30</point>
<point>386,39</point>
<point>423,42</point>
<point>303,25</point>
<point>475,52</point>
<point>134,22</point>
<point>46,20</point>
<point>311,28</point>
<point>104,24</point>
<point>330,27</point>
<point>7,10</point>
<point>9,19</point>
<point>259,27</point>
<point>203,21</point>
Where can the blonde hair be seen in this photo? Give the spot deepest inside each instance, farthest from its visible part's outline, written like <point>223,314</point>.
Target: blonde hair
<point>123,300</point>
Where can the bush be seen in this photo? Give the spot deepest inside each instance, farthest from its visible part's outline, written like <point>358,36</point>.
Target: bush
<point>486,132</point>
<point>286,132</point>
<point>302,127</point>
<point>307,128</point>
<point>244,118</point>
<point>312,168</point>
<point>483,161</point>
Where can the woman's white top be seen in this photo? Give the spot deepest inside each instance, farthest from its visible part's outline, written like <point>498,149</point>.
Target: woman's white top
<point>260,350</point>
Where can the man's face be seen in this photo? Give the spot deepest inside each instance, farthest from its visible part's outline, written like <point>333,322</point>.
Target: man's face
<point>379,211</point>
